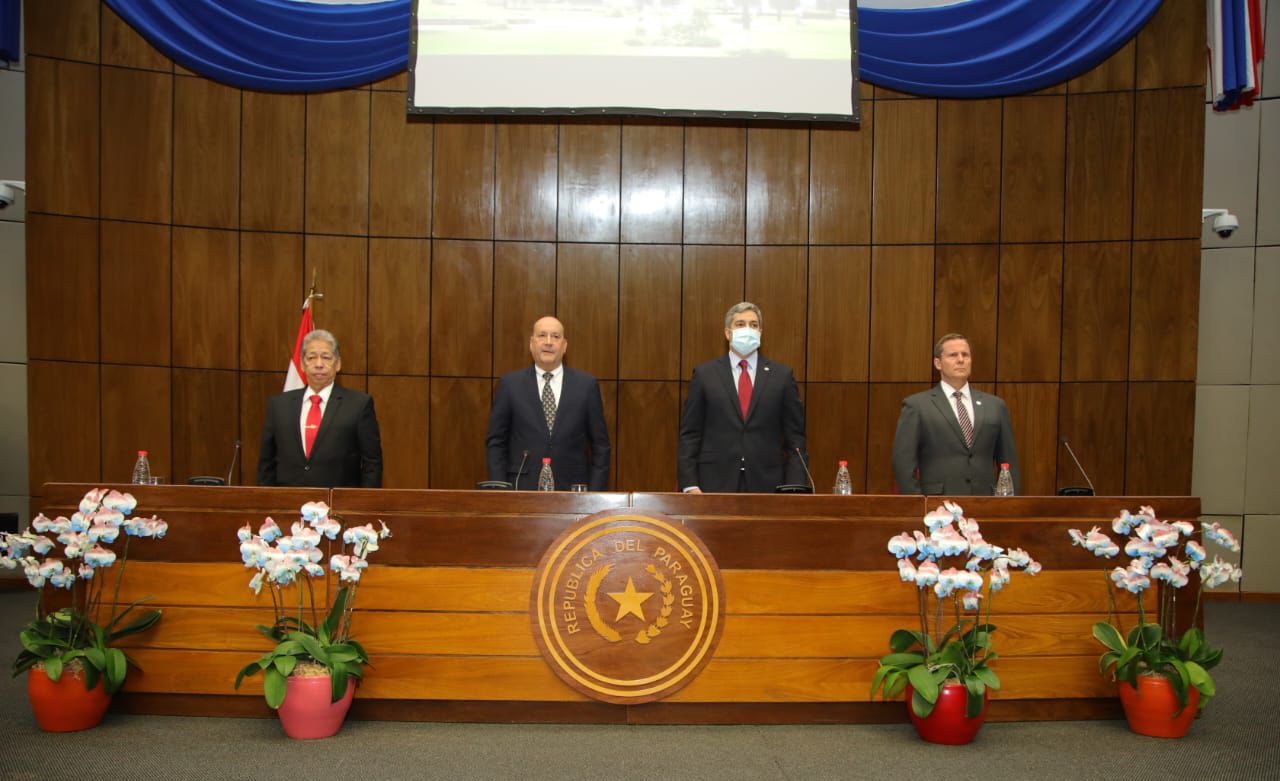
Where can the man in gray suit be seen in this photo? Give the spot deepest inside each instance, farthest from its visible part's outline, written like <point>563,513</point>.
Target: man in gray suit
<point>951,439</point>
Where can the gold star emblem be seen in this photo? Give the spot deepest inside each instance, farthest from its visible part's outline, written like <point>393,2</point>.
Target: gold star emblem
<point>630,600</point>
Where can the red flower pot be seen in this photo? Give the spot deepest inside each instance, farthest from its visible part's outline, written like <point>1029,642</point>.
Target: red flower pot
<point>1150,708</point>
<point>947,723</point>
<point>307,713</point>
<point>65,705</point>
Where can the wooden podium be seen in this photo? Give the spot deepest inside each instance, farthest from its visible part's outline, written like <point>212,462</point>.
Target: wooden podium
<point>811,597</point>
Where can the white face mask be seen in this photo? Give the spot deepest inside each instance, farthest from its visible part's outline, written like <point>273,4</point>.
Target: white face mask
<point>745,341</point>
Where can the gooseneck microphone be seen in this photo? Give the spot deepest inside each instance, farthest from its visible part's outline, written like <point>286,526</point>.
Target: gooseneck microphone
<point>813,489</point>
<point>524,457</point>
<point>235,455</point>
<point>1077,491</point>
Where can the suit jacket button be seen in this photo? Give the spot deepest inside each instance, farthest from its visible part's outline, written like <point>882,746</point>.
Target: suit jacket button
<point>306,469</point>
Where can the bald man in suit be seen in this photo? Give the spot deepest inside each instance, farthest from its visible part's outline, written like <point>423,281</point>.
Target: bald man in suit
<point>932,453</point>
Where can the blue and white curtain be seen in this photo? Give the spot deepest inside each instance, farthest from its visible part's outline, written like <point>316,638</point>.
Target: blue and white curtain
<point>960,48</point>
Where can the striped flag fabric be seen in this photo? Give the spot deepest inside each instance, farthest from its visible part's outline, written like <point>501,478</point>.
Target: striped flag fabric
<point>295,378</point>
<point>1235,49</point>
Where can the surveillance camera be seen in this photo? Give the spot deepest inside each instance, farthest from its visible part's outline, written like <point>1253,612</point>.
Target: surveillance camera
<point>1225,225</point>
<point>8,192</point>
<point>1224,222</point>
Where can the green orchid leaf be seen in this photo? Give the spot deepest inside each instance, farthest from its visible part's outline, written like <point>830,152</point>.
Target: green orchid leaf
<point>1201,679</point>
<point>53,667</point>
<point>919,705</point>
<point>335,615</point>
<point>91,676</point>
<point>96,657</point>
<point>924,684</point>
<point>142,624</point>
<point>312,647</point>
<point>115,670</point>
<point>1209,659</point>
<point>285,664</point>
<point>904,639</point>
<point>274,686</point>
<point>975,697</point>
<point>901,659</point>
<point>987,676</point>
<point>337,682</point>
<point>1109,636</point>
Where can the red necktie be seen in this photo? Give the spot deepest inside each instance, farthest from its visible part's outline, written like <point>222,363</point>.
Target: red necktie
<point>744,389</point>
<point>313,424</point>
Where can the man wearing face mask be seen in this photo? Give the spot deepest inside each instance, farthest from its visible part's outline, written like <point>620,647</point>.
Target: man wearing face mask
<point>742,428</point>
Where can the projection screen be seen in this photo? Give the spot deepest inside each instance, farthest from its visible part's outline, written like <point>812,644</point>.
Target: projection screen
<point>773,59</point>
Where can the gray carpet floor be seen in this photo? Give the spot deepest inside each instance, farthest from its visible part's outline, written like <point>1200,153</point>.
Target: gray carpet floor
<point>1238,738</point>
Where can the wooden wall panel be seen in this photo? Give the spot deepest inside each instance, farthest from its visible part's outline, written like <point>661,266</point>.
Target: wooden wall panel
<point>901,305</point>
<point>1117,72</point>
<point>777,282</point>
<point>648,309</point>
<point>206,287</point>
<point>62,288</point>
<point>122,45</point>
<point>403,407</point>
<point>609,396</point>
<point>1032,168</point>
<point>1168,163</point>
<point>67,30</point>
<point>1091,417</point>
<point>64,429</point>
<point>714,280</point>
<point>337,194</point>
<point>777,185</point>
<point>524,291</point>
<point>1095,300</point>
<point>206,153</point>
<point>1099,166</point>
<point>715,172</point>
<point>526,189</point>
<point>137,145</point>
<point>133,289</point>
<point>273,146</point>
<point>966,296</point>
<point>836,413</point>
<point>1164,310</point>
<point>1170,48</point>
<point>399,306</point>
<point>340,266</point>
<point>460,409</point>
<point>840,182</point>
<point>644,451</point>
<point>839,314</point>
<point>1160,428</point>
<point>969,137</point>
<point>652,181</point>
<point>462,190</point>
<point>62,127</point>
<point>905,184</point>
<point>461,308</point>
<point>1033,408</point>
<point>587,296</point>
<point>271,294</point>
<point>1030,327</point>
<point>399,169</point>
<point>884,403</point>
<point>135,416</point>
<point>206,424</point>
<point>589,176</point>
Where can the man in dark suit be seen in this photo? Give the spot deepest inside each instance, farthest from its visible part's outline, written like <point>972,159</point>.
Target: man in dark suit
<point>548,410</point>
<point>951,438</point>
<point>323,434</point>
<point>743,422</point>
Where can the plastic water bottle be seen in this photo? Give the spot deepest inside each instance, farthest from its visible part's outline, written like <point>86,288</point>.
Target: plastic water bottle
<point>546,480</point>
<point>1004,483</point>
<point>142,469</point>
<point>843,485</point>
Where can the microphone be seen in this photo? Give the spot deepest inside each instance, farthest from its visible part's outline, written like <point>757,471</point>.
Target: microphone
<point>524,457</point>
<point>812,488</point>
<point>1076,490</point>
<point>235,454</point>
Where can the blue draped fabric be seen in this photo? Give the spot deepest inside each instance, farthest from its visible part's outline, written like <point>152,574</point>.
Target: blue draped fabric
<point>973,49</point>
<point>10,30</point>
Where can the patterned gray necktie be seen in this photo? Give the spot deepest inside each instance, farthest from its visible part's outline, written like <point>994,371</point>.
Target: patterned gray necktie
<point>548,402</point>
<point>962,413</point>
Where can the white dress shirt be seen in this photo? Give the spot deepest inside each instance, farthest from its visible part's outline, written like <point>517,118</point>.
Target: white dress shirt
<point>557,382</point>
<point>966,398</point>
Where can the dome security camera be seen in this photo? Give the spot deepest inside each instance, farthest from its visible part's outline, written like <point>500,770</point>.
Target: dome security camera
<point>9,192</point>
<point>1224,222</point>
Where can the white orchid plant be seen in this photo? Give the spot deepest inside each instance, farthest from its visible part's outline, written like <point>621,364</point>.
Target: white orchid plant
<point>282,560</point>
<point>931,656</point>
<point>71,636</point>
<point>1162,555</point>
